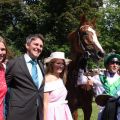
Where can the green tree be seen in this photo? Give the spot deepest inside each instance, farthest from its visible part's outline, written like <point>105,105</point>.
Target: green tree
<point>55,19</point>
<point>109,26</point>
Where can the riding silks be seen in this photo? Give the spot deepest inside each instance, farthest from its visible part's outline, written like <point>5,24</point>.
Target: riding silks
<point>110,89</point>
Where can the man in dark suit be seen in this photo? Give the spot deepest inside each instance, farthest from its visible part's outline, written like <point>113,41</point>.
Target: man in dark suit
<point>26,93</point>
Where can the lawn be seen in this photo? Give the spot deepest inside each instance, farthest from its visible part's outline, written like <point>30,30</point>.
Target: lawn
<point>94,112</point>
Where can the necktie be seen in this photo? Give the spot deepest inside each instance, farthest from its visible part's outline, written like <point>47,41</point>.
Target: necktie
<point>34,73</point>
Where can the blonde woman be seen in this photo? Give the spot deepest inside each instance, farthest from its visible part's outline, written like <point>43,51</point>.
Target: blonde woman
<point>55,103</point>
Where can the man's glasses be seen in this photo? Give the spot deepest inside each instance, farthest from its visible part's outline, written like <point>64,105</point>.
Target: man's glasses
<point>115,62</point>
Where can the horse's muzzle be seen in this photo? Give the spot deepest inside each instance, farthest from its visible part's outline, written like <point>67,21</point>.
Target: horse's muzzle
<point>100,54</point>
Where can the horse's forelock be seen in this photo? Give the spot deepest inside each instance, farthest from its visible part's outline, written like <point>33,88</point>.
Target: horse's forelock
<point>83,19</point>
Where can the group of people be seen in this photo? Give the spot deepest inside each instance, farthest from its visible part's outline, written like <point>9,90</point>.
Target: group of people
<point>36,93</point>
<point>32,94</point>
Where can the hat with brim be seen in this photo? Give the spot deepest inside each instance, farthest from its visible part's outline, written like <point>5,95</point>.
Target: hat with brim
<point>109,57</point>
<point>102,99</point>
<point>57,55</point>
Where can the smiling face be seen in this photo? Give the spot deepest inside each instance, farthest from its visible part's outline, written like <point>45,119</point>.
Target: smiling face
<point>58,66</point>
<point>113,66</point>
<point>34,48</point>
<point>2,52</point>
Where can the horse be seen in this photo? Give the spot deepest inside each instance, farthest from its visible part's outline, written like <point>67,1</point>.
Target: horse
<point>84,45</point>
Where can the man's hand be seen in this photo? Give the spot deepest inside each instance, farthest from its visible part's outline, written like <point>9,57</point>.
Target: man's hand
<point>89,84</point>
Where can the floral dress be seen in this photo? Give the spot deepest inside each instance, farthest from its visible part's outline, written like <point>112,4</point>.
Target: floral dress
<point>57,106</point>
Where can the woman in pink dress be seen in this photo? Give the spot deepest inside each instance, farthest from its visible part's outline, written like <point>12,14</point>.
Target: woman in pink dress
<point>3,87</point>
<point>55,103</point>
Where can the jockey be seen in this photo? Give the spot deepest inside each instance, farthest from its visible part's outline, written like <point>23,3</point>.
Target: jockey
<point>107,82</point>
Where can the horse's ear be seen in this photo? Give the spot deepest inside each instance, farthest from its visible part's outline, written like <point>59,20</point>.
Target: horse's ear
<point>70,36</point>
<point>83,18</point>
<point>94,21</point>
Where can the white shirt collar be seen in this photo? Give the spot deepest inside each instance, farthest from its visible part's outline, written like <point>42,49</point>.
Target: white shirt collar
<point>27,58</point>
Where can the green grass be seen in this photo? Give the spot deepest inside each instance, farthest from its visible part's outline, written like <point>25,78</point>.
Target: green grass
<point>94,112</point>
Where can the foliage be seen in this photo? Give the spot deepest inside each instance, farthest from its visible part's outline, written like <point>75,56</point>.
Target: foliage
<point>55,19</point>
<point>110,27</point>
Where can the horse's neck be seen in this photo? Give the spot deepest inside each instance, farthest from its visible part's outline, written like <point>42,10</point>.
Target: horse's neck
<point>78,64</point>
<point>82,63</point>
<point>74,68</point>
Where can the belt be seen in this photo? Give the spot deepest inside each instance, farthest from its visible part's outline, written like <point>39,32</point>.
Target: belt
<point>58,102</point>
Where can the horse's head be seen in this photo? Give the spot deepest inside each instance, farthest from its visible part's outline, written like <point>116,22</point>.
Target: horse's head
<point>84,40</point>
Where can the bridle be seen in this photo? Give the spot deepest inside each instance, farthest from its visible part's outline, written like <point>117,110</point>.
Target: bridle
<point>86,48</point>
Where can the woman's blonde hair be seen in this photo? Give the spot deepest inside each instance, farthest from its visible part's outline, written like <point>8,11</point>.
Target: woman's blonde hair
<point>49,69</point>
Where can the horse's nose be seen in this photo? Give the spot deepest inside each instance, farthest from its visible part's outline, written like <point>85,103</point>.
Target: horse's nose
<point>100,54</point>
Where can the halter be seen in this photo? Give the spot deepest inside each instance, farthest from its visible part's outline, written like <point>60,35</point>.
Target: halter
<point>83,45</point>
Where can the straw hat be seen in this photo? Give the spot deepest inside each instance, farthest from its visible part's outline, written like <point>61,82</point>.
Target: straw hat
<point>57,55</point>
<point>109,57</point>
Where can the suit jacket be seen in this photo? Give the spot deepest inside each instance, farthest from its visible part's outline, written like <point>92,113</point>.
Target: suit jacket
<point>26,100</point>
